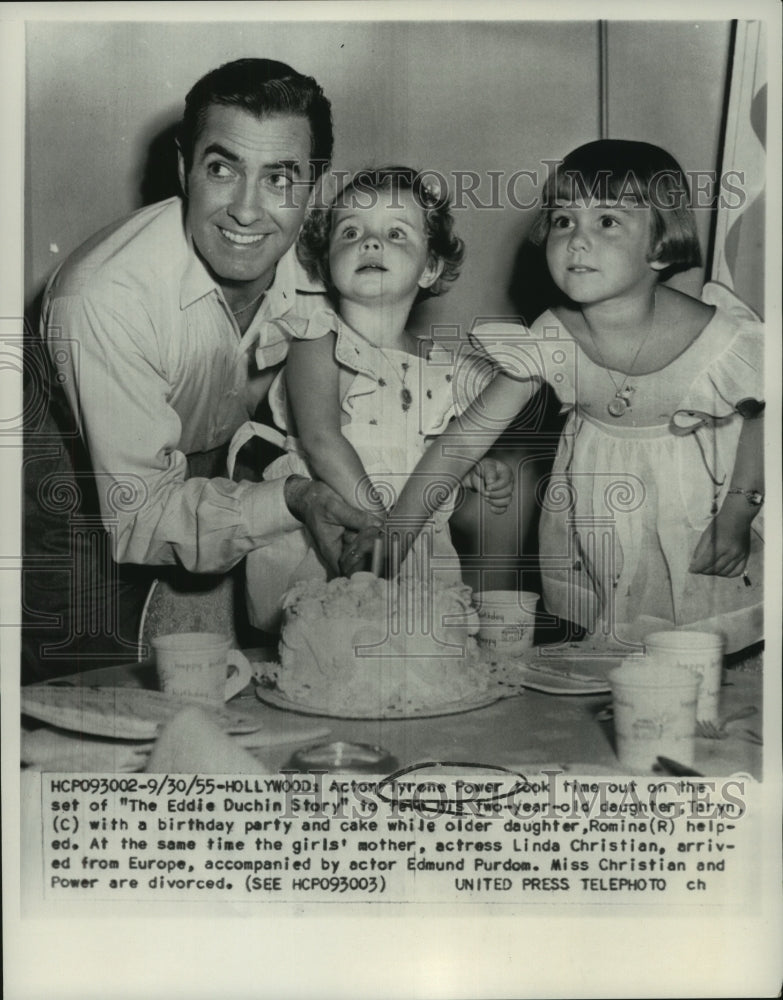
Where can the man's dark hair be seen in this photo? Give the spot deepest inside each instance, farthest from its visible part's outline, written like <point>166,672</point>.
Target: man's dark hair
<point>261,87</point>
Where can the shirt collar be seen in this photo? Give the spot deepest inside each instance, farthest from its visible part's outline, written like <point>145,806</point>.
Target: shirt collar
<point>290,278</point>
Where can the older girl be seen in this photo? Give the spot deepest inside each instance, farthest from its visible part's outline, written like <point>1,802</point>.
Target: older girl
<point>649,517</point>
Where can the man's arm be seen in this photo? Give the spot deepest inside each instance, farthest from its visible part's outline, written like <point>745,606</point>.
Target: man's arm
<point>119,393</point>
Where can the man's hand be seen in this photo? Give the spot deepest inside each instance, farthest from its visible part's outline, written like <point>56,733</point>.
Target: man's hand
<point>358,551</point>
<point>493,481</point>
<point>327,516</point>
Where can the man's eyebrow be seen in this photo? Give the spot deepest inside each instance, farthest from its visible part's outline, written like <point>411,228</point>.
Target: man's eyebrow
<point>215,147</point>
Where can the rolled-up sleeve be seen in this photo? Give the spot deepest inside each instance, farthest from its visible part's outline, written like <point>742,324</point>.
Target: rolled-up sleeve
<point>114,373</point>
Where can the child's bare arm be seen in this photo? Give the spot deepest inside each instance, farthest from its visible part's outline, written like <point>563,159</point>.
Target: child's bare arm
<point>456,451</point>
<point>724,546</point>
<point>312,380</point>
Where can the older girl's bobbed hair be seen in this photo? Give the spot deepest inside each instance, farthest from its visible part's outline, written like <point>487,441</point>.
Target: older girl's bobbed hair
<point>609,170</point>
<point>313,245</point>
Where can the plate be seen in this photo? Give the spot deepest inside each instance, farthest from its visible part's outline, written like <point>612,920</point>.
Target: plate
<point>271,696</point>
<point>555,675</point>
<point>551,680</point>
<point>118,712</point>
<point>577,769</point>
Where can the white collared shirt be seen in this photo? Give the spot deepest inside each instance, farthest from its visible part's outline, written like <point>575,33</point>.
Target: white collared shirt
<point>154,368</point>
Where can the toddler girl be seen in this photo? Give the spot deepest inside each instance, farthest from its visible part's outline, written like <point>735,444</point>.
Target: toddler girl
<point>366,398</point>
<point>648,517</point>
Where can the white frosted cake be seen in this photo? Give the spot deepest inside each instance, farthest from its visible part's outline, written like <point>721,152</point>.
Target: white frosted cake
<point>363,647</point>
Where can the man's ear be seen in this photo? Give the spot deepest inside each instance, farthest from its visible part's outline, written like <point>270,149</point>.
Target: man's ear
<point>181,172</point>
<point>431,272</point>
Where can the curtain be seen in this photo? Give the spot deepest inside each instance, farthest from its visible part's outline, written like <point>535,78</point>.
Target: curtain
<point>738,249</point>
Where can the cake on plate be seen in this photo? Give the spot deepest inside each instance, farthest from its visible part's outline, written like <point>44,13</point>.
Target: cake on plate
<point>368,647</point>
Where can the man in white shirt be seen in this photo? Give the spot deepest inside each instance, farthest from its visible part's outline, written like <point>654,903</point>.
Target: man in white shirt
<point>152,328</point>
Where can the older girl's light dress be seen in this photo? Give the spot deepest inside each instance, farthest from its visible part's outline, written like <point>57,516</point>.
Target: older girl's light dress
<point>629,497</point>
<point>393,407</point>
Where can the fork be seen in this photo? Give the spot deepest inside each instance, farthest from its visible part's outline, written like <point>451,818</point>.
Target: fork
<point>712,732</point>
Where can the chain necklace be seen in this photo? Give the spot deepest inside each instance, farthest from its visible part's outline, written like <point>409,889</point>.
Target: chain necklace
<point>252,302</point>
<point>621,403</point>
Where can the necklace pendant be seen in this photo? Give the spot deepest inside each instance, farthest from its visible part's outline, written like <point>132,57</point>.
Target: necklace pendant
<point>621,401</point>
<point>618,406</point>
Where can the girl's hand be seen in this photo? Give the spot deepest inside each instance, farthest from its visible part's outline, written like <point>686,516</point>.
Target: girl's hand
<point>724,546</point>
<point>493,481</point>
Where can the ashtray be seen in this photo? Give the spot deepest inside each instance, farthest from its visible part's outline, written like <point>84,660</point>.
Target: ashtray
<point>342,757</point>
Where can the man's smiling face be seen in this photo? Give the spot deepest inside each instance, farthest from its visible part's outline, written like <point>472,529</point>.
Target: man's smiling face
<point>246,194</point>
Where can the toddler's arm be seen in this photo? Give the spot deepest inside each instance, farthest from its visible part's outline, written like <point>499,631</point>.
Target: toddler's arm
<point>724,546</point>
<point>455,453</point>
<point>312,380</point>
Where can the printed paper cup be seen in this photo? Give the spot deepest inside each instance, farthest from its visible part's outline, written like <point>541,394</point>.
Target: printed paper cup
<point>507,620</point>
<point>701,652</point>
<point>654,713</point>
<point>200,667</point>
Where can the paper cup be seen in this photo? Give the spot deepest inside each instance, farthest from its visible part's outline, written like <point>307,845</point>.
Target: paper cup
<point>654,713</point>
<point>699,651</point>
<point>195,666</point>
<point>507,620</point>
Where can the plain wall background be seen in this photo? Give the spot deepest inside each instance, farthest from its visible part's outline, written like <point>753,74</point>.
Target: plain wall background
<point>481,96</point>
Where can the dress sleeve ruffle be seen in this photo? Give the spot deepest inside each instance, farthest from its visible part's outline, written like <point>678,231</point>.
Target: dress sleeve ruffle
<point>454,378</point>
<point>354,353</point>
<point>288,328</point>
<point>543,353</point>
<point>736,371</point>
<point>707,416</point>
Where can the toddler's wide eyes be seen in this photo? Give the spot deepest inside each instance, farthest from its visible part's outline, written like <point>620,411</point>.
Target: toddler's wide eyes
<point>349,233</point>
<point>609,222</point>
<point>395,234</point>
<point>560,222</point>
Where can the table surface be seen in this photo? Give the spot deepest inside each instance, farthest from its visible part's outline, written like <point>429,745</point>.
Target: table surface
<point>528,732</point>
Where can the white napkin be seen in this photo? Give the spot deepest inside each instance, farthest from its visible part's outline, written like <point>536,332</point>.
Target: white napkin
<point>191,743</point>
<point>49,749</point>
